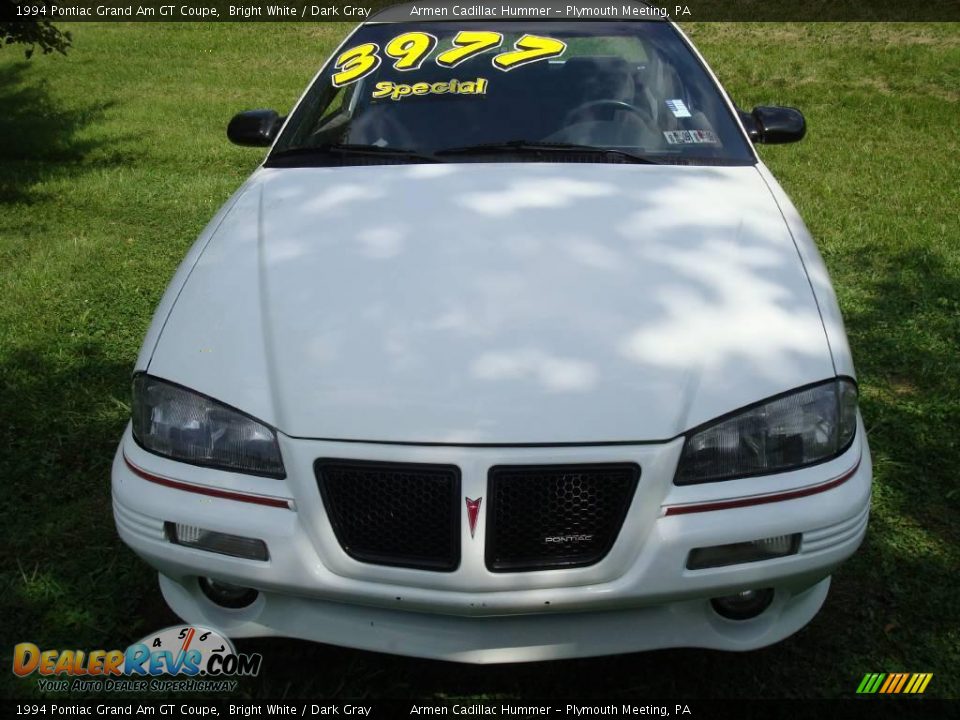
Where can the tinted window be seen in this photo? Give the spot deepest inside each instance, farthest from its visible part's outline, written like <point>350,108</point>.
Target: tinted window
<point>630,86</point>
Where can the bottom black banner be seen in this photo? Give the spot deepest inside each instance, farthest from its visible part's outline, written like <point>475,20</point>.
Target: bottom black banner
<point>872,708</point>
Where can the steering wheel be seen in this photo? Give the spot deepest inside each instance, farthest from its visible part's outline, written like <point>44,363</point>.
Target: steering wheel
<point>614,106</point>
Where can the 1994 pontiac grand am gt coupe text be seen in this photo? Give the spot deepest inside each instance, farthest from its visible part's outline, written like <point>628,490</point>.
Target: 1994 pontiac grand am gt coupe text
<point>512,349</point>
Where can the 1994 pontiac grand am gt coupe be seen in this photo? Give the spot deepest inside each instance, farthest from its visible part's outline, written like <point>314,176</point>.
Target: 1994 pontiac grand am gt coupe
<point>512,349</point>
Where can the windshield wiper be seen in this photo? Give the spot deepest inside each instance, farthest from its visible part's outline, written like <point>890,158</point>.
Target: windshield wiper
<point>353,149</point>
<point>528,146</point>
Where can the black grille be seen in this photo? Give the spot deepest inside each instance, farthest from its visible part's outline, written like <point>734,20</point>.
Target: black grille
<point>553,516</point>
<point>403,514</point>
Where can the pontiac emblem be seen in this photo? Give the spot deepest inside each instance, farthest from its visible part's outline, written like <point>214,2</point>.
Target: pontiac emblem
<point>473,511</point>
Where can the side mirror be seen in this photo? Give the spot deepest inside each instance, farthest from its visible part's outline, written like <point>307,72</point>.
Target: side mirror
<point>776,125</point>
<point>750,125</point>
<point>258,128</point>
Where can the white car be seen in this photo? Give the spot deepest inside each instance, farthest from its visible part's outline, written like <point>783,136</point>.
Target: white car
<point>511,350</point>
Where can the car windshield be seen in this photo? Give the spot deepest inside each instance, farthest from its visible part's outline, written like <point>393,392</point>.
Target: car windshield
<point>513,91</point>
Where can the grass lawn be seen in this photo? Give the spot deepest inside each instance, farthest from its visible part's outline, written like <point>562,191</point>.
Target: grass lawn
<point>113,158</point>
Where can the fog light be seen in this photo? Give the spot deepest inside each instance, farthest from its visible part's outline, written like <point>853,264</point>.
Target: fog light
<point>744,605</point>
<point>227,595</point>
<point>744,552</point>
<point>233,545</point>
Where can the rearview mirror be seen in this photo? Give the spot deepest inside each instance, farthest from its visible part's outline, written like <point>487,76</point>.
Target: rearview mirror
<point>775,125</point>
<point>258,128</point>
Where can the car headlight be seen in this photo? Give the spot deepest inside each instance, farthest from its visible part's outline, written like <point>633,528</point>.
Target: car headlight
<point>177,423</point>
<point>790,431</point>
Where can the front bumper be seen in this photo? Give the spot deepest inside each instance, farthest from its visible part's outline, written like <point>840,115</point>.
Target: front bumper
<point>640,596</point>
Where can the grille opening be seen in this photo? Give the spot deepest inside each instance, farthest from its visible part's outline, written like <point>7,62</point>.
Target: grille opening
<point>555,516</point>
<point>399,514</point>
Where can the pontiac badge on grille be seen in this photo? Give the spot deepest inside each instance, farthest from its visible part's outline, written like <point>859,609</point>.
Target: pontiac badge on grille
<point>473,511</point>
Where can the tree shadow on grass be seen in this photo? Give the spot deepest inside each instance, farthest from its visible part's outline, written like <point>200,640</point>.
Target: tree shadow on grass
<point>66,579</point>
<point>39,139</point>
<point>905,340</point>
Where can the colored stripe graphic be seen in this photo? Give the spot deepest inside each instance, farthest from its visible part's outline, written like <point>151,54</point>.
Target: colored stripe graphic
<point>898,679</point>
<point>894,683</point>
<point>870,683</point>
<point>886,685</point>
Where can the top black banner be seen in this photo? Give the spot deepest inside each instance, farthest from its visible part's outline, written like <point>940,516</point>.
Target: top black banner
<point>385,11</point>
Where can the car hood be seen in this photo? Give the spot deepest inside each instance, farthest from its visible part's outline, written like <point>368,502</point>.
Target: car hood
<point>496,303</point>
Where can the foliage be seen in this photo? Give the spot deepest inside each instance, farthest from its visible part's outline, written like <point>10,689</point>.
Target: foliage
<point>34,34</point>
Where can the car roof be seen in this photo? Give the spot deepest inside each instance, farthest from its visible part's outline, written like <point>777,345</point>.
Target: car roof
<point>527,10</point>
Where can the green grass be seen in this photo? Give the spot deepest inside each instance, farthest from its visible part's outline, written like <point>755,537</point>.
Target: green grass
<point>112,159</point>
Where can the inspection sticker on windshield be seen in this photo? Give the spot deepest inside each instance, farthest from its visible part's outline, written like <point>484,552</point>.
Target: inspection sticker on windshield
<point>678,108</point>
<point>691,137</point>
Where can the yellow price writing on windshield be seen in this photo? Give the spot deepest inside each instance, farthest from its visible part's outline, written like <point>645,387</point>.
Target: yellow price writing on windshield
<point>467,44</point>
<point>529,48</point>
<point>409,51</point>
<point>355,63</point>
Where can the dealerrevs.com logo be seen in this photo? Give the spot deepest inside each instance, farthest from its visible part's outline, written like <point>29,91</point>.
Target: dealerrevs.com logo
<point>200,659</point>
